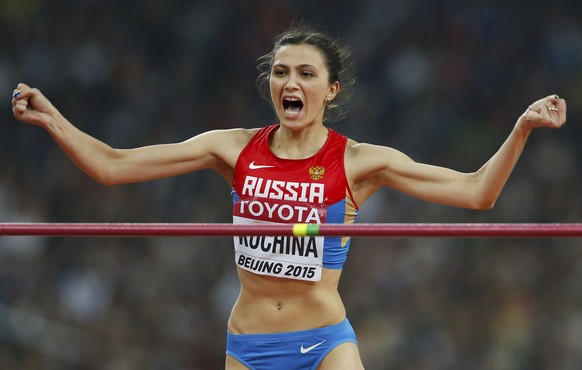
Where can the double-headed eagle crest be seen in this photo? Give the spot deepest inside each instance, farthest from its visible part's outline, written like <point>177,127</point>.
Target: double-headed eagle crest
<point>316,172</point>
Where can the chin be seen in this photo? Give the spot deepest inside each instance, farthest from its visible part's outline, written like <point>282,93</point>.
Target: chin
<point>293,123</point>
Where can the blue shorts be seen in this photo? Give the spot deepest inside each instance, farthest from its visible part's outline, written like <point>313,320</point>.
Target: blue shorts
<point>303,349</point>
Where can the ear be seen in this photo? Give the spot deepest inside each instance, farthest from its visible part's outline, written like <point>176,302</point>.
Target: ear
<point>333,90</point>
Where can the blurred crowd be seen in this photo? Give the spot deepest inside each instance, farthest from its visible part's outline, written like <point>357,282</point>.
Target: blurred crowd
<point>443,81</point>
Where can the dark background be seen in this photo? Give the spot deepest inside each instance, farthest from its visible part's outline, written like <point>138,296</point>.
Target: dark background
<point>443,81</point>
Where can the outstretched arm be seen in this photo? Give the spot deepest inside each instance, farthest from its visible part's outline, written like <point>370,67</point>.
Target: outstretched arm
<point>214,150</point>
<point>382,166</point>
<point>492,176</point>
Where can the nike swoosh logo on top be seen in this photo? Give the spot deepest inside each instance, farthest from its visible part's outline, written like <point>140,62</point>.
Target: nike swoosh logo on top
<point>305,350</point>
<point>254,166</point>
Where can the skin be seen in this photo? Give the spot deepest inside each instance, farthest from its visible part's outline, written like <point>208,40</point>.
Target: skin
<point>267,304</point>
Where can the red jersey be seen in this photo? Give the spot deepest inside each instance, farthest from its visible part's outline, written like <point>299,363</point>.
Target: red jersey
<point>269,189</point>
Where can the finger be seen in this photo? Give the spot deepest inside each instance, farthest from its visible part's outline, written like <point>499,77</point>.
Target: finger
<point>559,106</point>
<point>551,103</point>
<point>20,90</point>
<point>19,110</point>
<point>552,116</point>
<point>17,93</point>
<point>551,100</point>
<point>22,86</point>
<point>562,109</point>
<point>19,107</point>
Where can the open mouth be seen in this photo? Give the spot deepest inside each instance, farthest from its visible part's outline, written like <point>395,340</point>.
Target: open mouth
<point>292,106</point>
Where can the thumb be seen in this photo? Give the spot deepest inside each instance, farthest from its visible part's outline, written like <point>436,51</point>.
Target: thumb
<point>20,101</point>
<point>19,89</point>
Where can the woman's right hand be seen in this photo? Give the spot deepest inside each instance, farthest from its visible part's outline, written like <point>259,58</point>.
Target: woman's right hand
<point>29,105</point>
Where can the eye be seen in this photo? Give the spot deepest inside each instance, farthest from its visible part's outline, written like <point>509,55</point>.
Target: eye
<point>307,74</point>
<point>279,73</point>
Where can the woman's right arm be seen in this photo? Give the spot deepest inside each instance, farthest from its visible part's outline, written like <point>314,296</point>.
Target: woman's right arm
<point>215,150</point>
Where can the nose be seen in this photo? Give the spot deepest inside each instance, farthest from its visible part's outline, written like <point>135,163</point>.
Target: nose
<point>291,83</point>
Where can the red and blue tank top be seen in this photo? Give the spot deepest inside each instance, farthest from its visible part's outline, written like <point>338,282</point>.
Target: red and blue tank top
<point>269,189</point>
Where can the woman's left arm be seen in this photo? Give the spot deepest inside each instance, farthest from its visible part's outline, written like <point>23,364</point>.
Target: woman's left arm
<point>492,176</point>
<point>370,167</point>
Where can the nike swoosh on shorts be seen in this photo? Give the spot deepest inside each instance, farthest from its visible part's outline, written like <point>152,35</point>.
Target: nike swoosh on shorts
<point>305,350</point>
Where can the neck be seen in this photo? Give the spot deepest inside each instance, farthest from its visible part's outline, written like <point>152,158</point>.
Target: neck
<point>292,144</point>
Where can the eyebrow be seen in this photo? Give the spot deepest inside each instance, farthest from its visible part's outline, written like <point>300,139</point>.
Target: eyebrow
<point>299,66</point>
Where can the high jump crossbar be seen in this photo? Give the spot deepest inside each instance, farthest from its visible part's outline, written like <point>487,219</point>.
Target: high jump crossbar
<point>464,230</point>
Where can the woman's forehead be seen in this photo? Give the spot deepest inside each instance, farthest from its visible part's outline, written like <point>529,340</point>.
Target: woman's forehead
<point>298,54</point>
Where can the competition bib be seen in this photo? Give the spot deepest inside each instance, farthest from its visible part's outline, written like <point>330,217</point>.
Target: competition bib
<point>280,256</point>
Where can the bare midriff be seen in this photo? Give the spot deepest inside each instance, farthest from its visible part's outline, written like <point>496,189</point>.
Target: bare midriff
<point>274,305</point>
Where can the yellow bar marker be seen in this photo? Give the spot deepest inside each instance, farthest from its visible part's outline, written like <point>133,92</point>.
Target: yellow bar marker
<point>305,229</point>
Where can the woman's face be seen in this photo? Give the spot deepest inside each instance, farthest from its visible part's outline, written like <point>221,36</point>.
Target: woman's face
<point>299,85</point>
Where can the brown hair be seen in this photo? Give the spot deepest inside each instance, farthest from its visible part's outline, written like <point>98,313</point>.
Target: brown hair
<point>337,59</point>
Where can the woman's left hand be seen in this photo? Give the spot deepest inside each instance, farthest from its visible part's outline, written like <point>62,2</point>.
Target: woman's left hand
<point>547,112</point>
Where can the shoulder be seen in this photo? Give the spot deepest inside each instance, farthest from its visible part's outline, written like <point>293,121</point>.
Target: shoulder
<point>364,159</point>
<point>220,148</point>
<point>217,140</point>
<point>237,136</point>
<point>364,151</point>
<point>224,144</point>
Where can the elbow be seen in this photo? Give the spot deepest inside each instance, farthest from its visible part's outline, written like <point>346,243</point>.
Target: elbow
<point>484,203</point>
<point>106,183</point>
<point>483,196</point>
<point>109,181</point>
<point>104,178</point>
<point>103,181</point>
<point>486,206</point>
<point>107,174</point>
<point>478,200</point>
